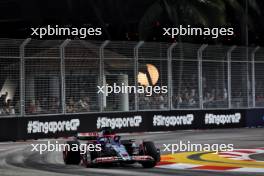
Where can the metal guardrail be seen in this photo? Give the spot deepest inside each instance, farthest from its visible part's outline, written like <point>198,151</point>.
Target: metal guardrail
<point>59,77</point>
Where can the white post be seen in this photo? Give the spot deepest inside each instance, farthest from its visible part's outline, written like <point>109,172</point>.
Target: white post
<point>170,89</point>
<point>200,73</point>
<point>62,74</point>
<point>136,71</point>
<point>101,73</point>
<point>229,76</point>
<point>22,76</point>
<point>253,76</point>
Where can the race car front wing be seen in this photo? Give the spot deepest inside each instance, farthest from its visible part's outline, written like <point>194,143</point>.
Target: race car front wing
<point>116,159</point>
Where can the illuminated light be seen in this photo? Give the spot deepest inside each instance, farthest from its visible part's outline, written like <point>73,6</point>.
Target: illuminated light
<point>153,76</point>
<point>143,79</point>
<point>154,73</point>
<point>9,87</point>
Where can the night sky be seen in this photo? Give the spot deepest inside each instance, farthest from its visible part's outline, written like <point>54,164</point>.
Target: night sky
<point>119,20</point>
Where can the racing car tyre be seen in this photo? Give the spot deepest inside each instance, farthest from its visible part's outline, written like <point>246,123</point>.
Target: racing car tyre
<point>87,159</point>
<point>69,156</point>
<point>152,151</point>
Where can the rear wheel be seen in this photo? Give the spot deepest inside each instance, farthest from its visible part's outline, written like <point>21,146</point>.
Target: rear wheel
<point>150,150</point>
<point>71,153</point>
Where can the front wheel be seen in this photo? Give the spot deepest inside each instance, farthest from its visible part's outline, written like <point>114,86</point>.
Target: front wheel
<point>71,156</point>
<point>88,157</point>
<point>151,150</point>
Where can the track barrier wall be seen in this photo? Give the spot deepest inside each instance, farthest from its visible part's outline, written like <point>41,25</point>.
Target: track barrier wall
<point>255,118</point>
<point>147,121</point>
<point>48,88</point>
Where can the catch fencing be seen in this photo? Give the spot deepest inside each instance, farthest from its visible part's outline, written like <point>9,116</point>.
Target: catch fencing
<point>50,77</point>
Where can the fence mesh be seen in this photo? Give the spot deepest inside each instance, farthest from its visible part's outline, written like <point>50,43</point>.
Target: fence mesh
<point>239,78</point>
<point>42,77</point>
<point>82,64</point>
<point>259,77</point>
<point>119,70</point>
<point>185,89</point>
<point>153,71</point>
<point>215,77</point>
<point>10,77</point>
<point>56,76</point>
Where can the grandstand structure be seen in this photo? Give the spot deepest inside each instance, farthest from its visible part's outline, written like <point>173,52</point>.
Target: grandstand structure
<point>49,77</point>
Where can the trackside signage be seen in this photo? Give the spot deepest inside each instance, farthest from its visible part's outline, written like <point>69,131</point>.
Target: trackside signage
<point>53,126</point>
<point>118,123</point>
<point>222,119</point>
<point>139,121</point>
<point>181,120</point>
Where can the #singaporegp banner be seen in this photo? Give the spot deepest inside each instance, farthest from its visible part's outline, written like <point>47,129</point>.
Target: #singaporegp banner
<point>22,128</point>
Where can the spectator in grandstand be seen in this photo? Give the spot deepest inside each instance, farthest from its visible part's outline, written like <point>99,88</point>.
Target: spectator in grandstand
<point>259,93</point>
<point>32,107</point>
<point>260,99</point>
<point>17,106</point>
<point>84,104</point>
<point>193,98</point>
<point>192,101</point>
<point>9,108</point>
<point>160,101</point>
<point>71,106</point>
<point>144,101</point>
<point>38,107</point>
<point>3,99</point>
<point>43,102</point>
<point>147,102</point>
<point>177,100</point>
<point>54,105</point>
<point>153,102</point>
<point>208,100</point>
<point>185,100</point>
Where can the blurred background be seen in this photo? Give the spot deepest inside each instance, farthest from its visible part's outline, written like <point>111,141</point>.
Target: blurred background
<point>137,20</point>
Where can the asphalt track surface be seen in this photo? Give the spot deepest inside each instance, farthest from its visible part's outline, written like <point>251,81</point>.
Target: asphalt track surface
<point>17,159</point>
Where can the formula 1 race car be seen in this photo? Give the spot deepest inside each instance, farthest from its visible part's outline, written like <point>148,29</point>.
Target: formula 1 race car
<point>105,147</point>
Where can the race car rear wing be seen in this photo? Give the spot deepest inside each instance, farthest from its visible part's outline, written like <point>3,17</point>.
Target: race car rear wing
<point>87,136</point>
<point>106,132</point>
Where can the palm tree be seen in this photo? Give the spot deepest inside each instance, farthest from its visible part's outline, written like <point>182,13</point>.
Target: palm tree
<point>196,12</point>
